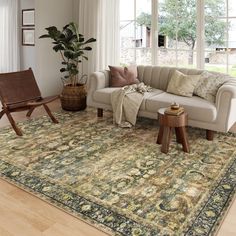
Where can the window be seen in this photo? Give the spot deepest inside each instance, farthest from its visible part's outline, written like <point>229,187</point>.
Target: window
<point>135,31</point>
<point>191,33</point>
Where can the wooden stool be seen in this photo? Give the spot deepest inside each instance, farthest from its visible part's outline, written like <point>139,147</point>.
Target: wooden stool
<point>167,122</point>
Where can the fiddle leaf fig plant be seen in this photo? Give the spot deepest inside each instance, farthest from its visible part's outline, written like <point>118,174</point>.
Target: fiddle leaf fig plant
<point>72,47</point>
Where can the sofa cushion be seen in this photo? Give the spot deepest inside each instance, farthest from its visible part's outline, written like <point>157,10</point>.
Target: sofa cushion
<point>104,95</point>
<point>209,84</point>
<point>148,95</point>
<point>122,76</point>
<point>196,107</point>
<point>181,84</point>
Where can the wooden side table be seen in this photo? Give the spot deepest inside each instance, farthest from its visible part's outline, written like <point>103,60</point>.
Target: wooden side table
<point>167,123</point>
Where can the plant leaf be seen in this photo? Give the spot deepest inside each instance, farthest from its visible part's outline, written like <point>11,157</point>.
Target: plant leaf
<point>63,70</point>
<point>91,40</point>
<point>44,36</point>
<point>87,49</point>
<point>58,47</point>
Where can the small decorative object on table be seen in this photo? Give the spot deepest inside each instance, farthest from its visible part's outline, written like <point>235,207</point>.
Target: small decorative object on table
<point>167,123</point>
<point>174,109</point>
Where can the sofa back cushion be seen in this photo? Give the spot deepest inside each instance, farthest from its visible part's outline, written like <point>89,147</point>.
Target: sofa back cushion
<point>159,76</point>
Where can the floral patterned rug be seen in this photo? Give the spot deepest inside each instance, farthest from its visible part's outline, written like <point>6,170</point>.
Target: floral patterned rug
<point>117,179</point>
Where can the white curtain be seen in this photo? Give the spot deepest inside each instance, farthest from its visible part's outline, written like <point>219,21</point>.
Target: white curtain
<point>9,38</point>
<point>99,19</point>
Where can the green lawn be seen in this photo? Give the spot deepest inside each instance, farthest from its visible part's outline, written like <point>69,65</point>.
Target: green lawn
<point>232,71</point>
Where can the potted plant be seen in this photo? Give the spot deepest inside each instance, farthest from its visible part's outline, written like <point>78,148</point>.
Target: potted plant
<point>72,46</point>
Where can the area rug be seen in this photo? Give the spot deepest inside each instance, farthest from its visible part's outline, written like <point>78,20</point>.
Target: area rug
<point>117,179</point>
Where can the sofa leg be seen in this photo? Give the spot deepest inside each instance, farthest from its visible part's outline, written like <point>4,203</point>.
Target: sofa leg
<point>209,135</point>
<point>100,112</point>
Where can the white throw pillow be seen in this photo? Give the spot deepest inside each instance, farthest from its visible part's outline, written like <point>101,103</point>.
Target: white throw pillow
<point>181,84</point>
<point>209,84</point>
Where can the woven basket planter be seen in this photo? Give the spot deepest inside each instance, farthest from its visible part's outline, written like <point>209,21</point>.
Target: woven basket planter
<point>73,98</point>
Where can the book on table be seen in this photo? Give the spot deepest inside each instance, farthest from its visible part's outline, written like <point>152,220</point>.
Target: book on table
<point>175,112</point>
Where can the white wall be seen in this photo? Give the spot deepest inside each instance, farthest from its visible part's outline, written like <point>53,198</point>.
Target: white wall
<point>27,53</point>
<point>48,62</point>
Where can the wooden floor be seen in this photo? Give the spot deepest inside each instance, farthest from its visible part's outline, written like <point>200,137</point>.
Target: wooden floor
<point>22,214</point>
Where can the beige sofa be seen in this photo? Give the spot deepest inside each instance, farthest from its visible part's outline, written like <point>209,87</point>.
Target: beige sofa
<point>202,113</point>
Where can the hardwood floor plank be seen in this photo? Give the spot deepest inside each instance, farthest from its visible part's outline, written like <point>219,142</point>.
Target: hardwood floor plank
<point>5,232</point>
<point>23,212</point>
<point>6,187</point>
<point>56,215</point>
<point>14,224</point>
<point>62,230</point>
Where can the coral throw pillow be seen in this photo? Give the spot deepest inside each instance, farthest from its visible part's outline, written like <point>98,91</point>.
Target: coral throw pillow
<point>122,76</point>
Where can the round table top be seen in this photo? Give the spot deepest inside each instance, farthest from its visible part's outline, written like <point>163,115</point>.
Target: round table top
<point>172,120</point>
<point>161,111</point>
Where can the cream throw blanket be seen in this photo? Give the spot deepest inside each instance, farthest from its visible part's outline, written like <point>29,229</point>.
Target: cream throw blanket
<point>126,102</point>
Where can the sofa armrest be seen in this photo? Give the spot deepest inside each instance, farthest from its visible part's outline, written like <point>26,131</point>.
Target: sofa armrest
<point>98,80</point>
<point>227,89</point>
<point>226,103</point>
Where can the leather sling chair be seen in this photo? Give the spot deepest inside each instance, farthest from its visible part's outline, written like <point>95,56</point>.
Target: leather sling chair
<point>18,92</point>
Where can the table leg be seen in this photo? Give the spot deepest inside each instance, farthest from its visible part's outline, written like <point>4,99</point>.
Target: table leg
<point>167,133</point>
<point>178,135</point>
<point>160,135</point>
<point>184,137</point>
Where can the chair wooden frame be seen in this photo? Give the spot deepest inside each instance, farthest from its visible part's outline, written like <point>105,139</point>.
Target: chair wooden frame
<point>19,92</point>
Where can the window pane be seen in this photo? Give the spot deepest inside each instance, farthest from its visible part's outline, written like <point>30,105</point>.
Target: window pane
<point>126,10</point>
<point>217,61</point>
<point>143,6</point>
<point>215,33</point>
<point>215,8</point>
<point>232,47</point>
<point>143,23</point>
<point>127,34</point>
<point>187,25</point>
<point>232,70</point>
<point>187,59</point>
<point>166,57</point>
<point>177,29</point>
<point>232,35</point>
<point>127,56</point>
<point>232,8</point>
<point>167,25</point>
<point>143,56</point>
<point>135,33</point>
